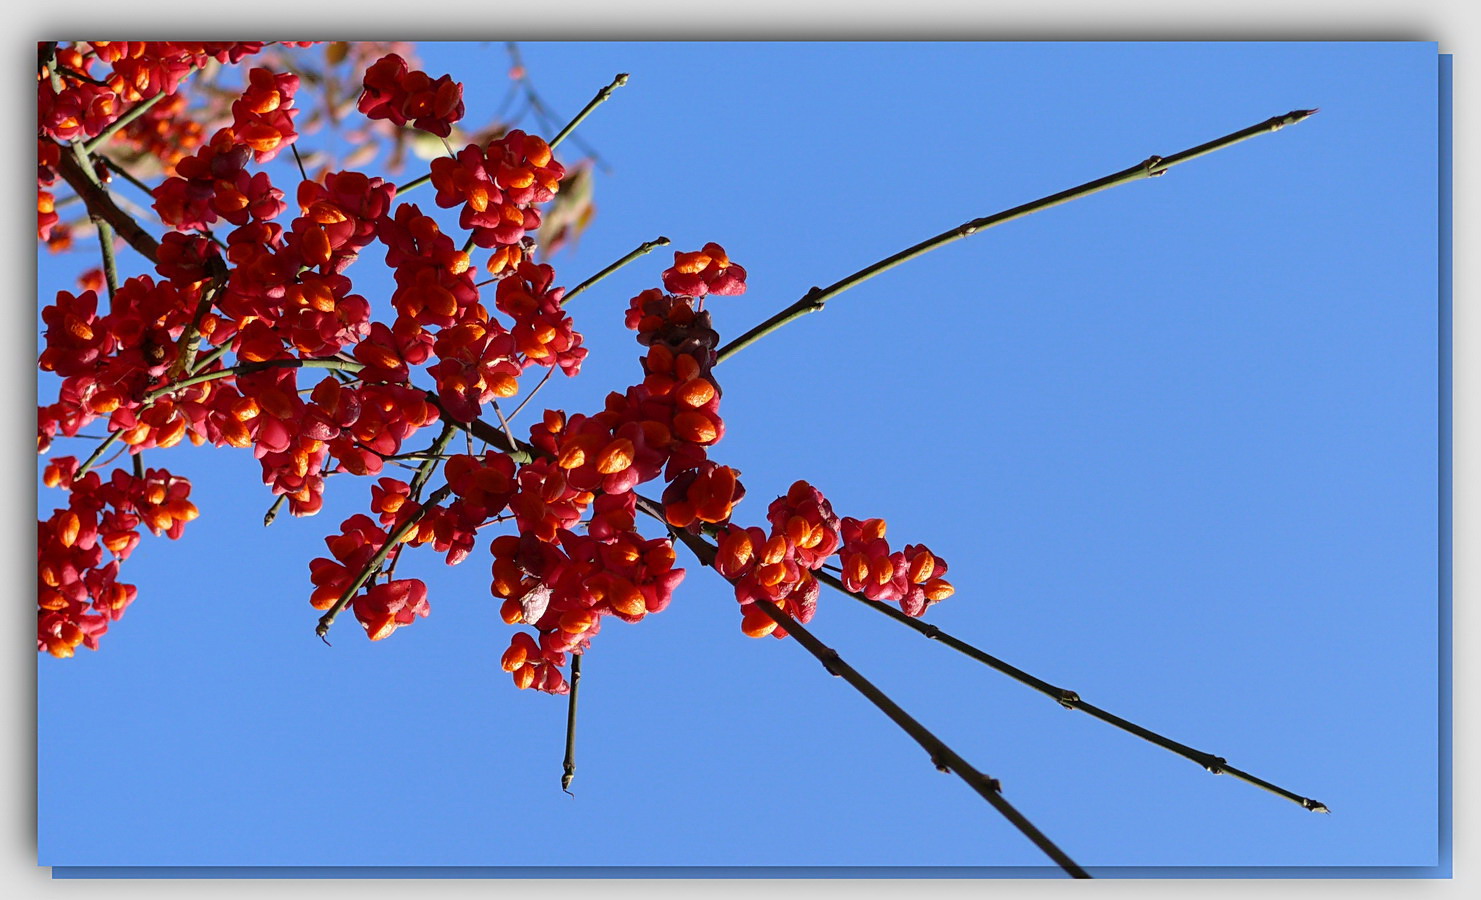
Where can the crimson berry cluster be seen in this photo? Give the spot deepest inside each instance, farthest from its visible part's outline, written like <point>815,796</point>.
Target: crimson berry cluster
<point>218,344</point>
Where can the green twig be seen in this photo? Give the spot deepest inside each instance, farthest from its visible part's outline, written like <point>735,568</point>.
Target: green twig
<point>110,265</point>
<point>434,456</point>
<point>122,122</point>
<point>250,367</point>
<point>814,299</point>
<point>272,511</point>
<point>598,100</point>
<point>373,566</point>
<point>1070,699</point>
<point>98,452</point>
<point>642,250</point>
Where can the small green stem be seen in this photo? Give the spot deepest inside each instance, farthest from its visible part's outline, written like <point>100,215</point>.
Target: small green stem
<point>434,456</point>
<point>413,184</point>
<point>642,250</point>
<point>205,361</point>
<point>598,100</point>
<point>98,452</point>
<point>272,511</point>
<point>815,299</point>
<point>110,265</point>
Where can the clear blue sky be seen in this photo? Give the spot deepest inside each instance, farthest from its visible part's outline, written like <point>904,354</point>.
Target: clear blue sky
<point>1178,442</point>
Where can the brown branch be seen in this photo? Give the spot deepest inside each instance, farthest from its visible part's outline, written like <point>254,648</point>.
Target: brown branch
<point>942,756</point>
<point>101,206</point>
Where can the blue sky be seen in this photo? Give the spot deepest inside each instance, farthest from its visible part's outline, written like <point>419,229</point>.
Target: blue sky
<point>1177,441</point>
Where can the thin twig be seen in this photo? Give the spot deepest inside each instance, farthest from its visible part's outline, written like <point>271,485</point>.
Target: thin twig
<point>299,159</point>
<point>598,100</point>
<point>205,361</point>
<point>272,511</point>
<point>549,371</point>
<point>434,456</point>
<point>373,566</point>
<point>814,299</point>
<point>508,432</point>
<point>110,264</point>
<point>1070,699</point>
<point>250,367</point>
<point>127,176</point>
<point>101,448</point>
<point>568,767</point>
<point>642,250</point>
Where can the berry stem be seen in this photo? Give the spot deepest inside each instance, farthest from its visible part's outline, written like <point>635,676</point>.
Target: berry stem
<point>815,299</point>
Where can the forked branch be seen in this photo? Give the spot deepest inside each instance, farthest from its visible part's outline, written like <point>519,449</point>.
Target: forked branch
<point>942,756</point>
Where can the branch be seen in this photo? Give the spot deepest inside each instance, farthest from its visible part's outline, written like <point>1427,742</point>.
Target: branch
<point>598,100</point>
<point>642,250</point>
<point>248,368</point>
<point>101,206</point>
<point>943,757</point>
<point>1070,699</point>
<point>815,299</point>
<point>371,567</point>
<point>122,122</point>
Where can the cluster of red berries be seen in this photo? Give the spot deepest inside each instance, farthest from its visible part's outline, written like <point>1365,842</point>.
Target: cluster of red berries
<point>911,578</point>
<point>779,567</point>
<point>395,91</point>
<point>280,301</point>
<point>497,187</point>
<point>563,583</point>
<point>78,595</point>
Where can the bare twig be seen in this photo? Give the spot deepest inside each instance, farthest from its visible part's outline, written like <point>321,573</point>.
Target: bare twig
<point>568,767</point>
<point>641,250</point>
<point>815,298</point>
